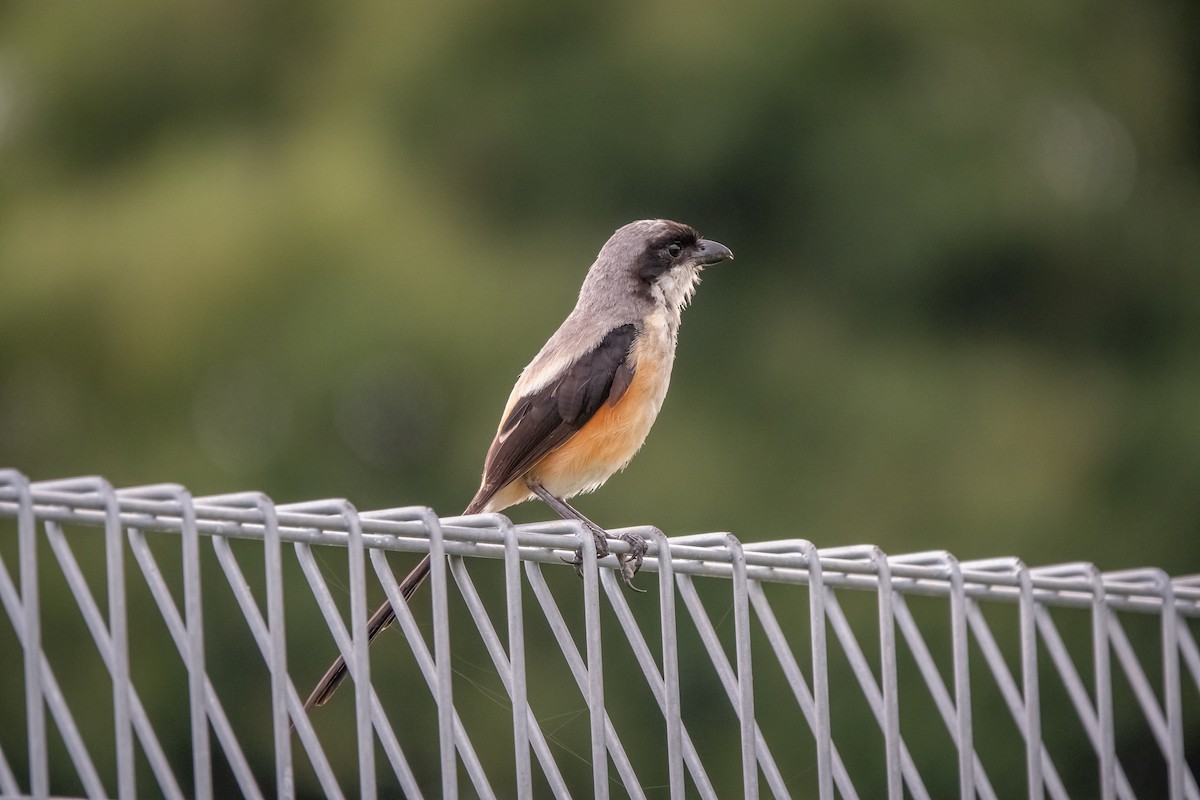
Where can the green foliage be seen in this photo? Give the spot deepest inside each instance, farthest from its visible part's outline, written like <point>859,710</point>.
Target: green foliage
<point>306,247</point>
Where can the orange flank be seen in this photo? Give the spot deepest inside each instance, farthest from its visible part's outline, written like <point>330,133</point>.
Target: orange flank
<point>609,439</point>
<point>612,436</point>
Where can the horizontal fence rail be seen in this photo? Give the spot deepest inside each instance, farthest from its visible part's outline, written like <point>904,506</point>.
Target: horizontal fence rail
<point>160,645</point>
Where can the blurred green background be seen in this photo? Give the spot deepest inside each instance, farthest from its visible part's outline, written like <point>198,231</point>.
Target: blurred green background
<point>306,247</point>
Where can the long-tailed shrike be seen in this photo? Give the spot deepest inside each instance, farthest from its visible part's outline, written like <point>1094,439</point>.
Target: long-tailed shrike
<point>584,405</point>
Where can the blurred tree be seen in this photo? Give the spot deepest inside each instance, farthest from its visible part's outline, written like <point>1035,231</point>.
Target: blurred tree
<point>305,248</point>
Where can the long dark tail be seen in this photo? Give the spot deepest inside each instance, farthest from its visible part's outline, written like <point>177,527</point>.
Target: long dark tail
<point>383,616</point>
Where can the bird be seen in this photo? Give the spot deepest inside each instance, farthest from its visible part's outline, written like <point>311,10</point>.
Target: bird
<point>582,408</point>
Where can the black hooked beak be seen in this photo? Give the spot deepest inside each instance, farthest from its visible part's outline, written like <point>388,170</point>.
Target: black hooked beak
<point>709,252</point>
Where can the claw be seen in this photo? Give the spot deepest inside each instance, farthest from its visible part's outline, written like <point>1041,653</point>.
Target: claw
<point>600,538</point>
<point>629,564</point>
<point>628,579</point>
<point>632,561</point>
<point>576,562</point>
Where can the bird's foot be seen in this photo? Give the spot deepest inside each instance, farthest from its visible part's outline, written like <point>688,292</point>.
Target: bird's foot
<point>600,537</point>
<point>631,562</point>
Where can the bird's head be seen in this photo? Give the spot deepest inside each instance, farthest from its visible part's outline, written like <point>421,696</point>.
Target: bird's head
<point>657,259</point>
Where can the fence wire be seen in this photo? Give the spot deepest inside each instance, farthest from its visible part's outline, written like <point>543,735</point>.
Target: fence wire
<point>759,669</point>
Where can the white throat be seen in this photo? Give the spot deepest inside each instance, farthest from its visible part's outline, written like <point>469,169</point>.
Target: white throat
<point>673,291</point>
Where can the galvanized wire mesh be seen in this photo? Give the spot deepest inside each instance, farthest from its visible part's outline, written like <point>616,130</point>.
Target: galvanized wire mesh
<point>759,669</point>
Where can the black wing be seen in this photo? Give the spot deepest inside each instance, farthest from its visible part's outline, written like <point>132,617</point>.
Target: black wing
<point>543,420</point>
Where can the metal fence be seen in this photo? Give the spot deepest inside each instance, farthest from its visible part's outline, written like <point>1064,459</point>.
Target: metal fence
<point>759,669</point>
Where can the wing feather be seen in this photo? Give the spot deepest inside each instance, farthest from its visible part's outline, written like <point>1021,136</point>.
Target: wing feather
<point>543,420</point>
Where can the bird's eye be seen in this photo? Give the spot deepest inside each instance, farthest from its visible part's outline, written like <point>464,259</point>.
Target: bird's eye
<point>674,249</point>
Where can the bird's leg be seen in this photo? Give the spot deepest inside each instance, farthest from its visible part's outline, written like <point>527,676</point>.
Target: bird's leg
<point>630,563</point>
<point>565,511</point>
